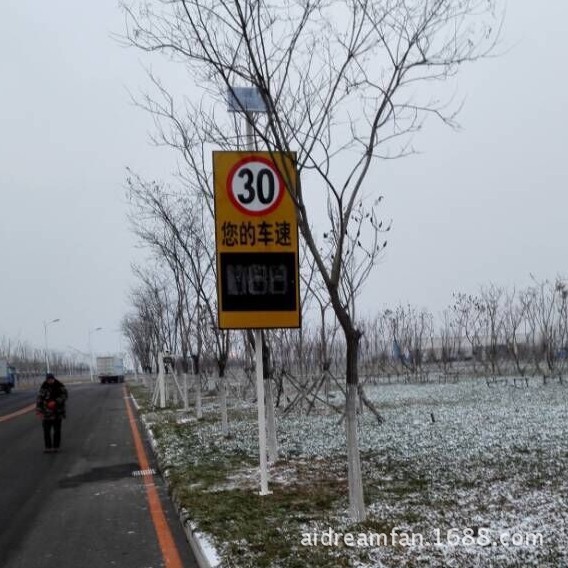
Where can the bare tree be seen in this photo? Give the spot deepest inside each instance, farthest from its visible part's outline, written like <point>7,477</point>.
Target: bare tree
<point>545,303</point>
<point>562,291</point>
<point>489,306</point>
<point>449,348</point>
<point>341,81</point>
<point>411,334</point>
<point>468,318</point>
<point>514,312</point>
<point>176,227</point>
<point>138,333</point>
<point>152,315</point>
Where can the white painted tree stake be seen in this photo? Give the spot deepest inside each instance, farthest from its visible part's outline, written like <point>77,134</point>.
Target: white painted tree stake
<point>185,393</point>
<point>271,424</point>
<point>161,381</point>
<point>198,402</point>
<point>224,411</point>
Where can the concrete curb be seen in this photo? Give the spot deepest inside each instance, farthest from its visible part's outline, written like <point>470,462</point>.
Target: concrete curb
<point>198,542</point>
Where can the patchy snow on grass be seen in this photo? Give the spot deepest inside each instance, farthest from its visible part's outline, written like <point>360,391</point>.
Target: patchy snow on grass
<point>478,472</point>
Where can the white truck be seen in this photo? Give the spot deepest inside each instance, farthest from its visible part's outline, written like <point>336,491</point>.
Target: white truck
<point>7,376</point>
<point>110,369</point>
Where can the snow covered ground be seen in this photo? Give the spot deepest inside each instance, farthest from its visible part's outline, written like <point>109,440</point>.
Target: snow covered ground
<point>464,474</point>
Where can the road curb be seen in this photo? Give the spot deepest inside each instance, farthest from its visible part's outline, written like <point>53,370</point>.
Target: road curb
<point>198,542</point>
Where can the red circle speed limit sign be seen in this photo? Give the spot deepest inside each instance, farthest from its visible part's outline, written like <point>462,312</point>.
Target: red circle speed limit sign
<point>255,186</point>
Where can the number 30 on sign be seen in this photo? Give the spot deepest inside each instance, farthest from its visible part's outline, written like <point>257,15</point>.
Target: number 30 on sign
<point>255,187</point>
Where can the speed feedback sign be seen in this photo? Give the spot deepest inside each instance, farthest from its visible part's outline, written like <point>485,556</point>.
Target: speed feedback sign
<point>256,236</point>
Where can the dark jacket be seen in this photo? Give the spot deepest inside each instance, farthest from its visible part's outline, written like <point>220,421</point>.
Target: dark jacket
<point>51,400</point>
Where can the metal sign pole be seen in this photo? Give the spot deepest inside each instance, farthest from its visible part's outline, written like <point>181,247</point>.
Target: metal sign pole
<point>261,414</point>
<point>259,369</point>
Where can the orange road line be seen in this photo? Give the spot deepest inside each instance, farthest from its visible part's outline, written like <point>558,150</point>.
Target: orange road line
<point>24,410</point>
<point>165,538</point>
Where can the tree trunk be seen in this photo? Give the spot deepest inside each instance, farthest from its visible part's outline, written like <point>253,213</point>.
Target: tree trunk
<point>272,442</point>
<point>224,412</point>
<point>356,499</point>
<point>185,391</point>
<point>270,422</point>
<point>223,397</point>
<point>197,380</point>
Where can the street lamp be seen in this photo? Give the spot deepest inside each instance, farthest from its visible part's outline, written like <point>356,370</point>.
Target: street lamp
<point>91,331</point>
<point>45,326</point>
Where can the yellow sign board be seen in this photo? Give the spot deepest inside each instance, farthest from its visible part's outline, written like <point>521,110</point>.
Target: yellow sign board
<point>256,236</point>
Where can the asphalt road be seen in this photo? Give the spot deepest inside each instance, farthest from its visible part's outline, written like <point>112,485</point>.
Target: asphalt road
<point>81,507</point>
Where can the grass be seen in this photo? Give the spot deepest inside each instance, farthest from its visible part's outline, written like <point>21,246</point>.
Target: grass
<point>488,461</point>
<point>235,515</point>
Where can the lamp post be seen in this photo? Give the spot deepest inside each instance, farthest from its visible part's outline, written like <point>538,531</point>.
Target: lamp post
<point>45,326</point>
<point>91,331</point>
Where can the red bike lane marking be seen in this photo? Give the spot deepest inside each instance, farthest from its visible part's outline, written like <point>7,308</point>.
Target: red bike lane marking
<point>165,538</point>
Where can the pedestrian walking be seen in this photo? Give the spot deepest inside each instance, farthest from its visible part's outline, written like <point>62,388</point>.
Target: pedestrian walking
<point>50,406</point>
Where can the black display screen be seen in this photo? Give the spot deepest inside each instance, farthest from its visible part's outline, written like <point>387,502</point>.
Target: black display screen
<point>258,281</point>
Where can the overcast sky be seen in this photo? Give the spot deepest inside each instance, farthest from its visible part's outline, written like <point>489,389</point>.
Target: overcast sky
<point>487,204</point>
